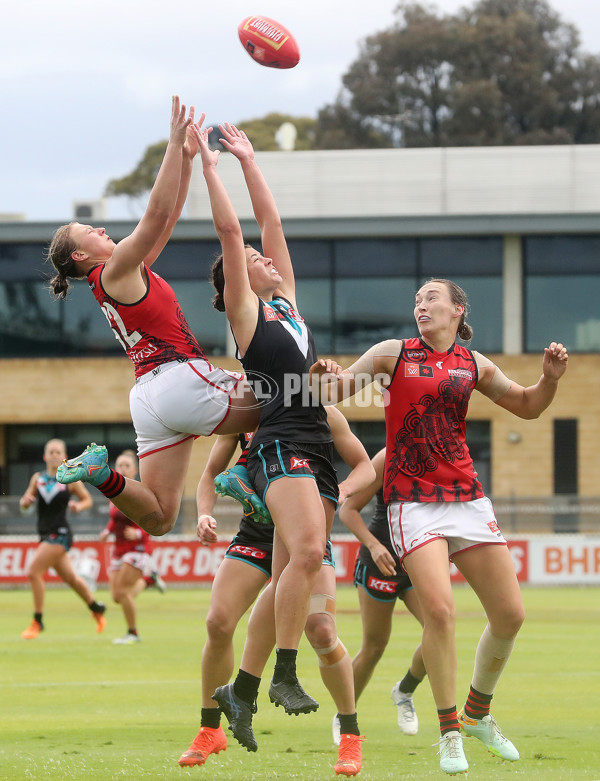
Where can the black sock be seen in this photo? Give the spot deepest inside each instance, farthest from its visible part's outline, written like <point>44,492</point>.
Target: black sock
<point>246,686</point>
<point>38,617</point>
<point>349,724</point>
<point>210,717</point>
<point>409,683</point>
<point>132,632</point>
<point>285,666</point>
<point>97,607</point>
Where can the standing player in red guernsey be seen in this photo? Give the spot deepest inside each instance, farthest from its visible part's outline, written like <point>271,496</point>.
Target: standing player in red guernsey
<point>177,395</point>
<point>131,568</point>
<point>436,506</point>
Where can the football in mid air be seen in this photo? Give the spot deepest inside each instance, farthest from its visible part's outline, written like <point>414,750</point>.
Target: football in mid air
<point>268,42</point>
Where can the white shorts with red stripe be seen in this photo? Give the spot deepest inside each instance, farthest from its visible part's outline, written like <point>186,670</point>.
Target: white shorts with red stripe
<point>177,401</point>
<point>138,559</point>
<point>463,525</point>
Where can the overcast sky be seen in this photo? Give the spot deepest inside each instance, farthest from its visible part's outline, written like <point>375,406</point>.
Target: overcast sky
<point>86,87</point>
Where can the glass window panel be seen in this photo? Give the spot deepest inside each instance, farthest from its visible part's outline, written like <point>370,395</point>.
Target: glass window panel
<point>562,308</point>
<point>85,328</point>
<point>208,325</point>
<point>485,317</point>
<point>310,258</point>
<point>561,254</point>
<point>30,321</point>
<point>368,311</point>
<point>446,257</point>
<point>313,297</point>
<point>24,262</point>
<point>187,260</point>
<point>375,257</point>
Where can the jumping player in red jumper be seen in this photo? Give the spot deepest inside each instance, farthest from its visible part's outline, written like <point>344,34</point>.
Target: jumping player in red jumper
<point>177,394</point>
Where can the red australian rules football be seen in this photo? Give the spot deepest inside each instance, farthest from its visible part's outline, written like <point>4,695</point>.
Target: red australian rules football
<point>268,42</point>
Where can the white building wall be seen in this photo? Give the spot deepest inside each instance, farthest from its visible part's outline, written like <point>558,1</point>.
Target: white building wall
<point>405,182</point>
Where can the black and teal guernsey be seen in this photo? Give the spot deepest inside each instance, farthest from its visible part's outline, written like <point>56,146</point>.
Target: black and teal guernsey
<point>276,363</point>
<point>52,502</point>
<point>379,526</point>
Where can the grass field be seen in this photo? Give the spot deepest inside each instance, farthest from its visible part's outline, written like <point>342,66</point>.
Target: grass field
<point>74,706</point>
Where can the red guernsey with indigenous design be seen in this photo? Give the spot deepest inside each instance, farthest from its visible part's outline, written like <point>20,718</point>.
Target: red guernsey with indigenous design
<point>153,331</point>
<point>117,524</point>
<point>427,459</point>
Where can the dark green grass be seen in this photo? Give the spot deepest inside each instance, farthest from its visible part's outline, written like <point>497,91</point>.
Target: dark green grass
<point>74,706</point>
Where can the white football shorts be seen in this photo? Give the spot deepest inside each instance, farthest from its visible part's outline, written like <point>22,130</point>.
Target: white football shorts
<point>177,401</point>
<point>139,560</point>
<point>464,525</point>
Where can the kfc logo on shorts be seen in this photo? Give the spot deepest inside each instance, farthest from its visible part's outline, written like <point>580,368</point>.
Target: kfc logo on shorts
<point>386,586</point>
<point>493,526</point>
<point>244,550</point>
<point>299,463</point>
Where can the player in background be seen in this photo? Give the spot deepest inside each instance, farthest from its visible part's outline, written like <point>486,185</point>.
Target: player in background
<point>177,394</point>
<point>53,500</point>
<point>131,569</point>
<point>242,574</point>
<point>436,505</point>
<point>380,581</point>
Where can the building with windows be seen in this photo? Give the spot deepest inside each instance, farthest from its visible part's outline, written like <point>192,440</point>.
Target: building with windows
<point>518,228</point>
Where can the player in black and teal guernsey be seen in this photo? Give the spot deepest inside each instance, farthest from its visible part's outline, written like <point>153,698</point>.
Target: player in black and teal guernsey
<point>290,459</point>
<point>52,500</point>
<point>245,570</point>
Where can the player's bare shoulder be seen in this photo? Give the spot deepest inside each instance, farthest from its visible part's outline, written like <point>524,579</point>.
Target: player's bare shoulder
<point>491,381</point>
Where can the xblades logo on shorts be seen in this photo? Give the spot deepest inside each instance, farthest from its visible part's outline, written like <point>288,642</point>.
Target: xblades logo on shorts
<point>299,463</point>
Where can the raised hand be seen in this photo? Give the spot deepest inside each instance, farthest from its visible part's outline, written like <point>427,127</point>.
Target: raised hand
<point>179,122</point>
<point>236,142</point>
<point>191,145</point>
<point>209,156</point>
<point>555,361</point>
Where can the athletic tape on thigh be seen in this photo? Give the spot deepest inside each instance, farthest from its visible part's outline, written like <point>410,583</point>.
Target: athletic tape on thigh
<point>322,603</point>
<point>329,657</point>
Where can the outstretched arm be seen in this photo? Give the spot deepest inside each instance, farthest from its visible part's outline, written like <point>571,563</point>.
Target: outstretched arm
<point>530,402</point>
<point>330,383</point>
<point>190,150</point>
<point>131,251</point>
<point>241,304</point>
<point>274,245</point>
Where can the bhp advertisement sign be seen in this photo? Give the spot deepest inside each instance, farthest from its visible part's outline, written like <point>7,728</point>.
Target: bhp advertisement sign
<point>539,559</point>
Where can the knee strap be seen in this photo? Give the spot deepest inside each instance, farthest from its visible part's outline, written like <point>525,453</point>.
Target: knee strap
<point>322,603</point>
<point>329,657</point>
